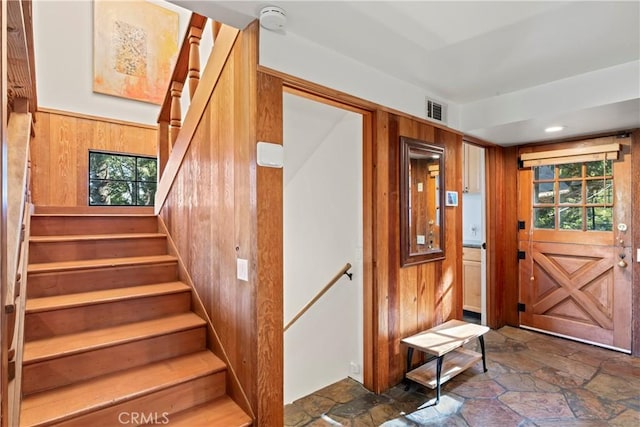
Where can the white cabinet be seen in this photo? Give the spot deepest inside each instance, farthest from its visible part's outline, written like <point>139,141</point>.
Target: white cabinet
<point>471,168</point>
<point>471,279</point>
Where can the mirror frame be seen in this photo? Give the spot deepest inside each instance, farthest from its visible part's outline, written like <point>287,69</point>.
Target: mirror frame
<point>407,258</point>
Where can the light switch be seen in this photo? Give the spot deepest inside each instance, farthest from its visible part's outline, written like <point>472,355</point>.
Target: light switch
<point>421,239</point>
<point>270,155</point>
<point>419,187</point>
<point>638,255</point>
<point>242,269</point>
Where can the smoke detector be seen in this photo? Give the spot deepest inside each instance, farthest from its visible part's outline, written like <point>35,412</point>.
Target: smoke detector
<point>273,18</point>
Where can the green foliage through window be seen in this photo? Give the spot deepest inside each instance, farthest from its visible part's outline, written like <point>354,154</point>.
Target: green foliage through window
<point>121,180</point>
<point>573,196</point>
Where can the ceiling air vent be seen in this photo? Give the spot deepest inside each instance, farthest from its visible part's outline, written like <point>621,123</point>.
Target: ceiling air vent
<point>436,110</point>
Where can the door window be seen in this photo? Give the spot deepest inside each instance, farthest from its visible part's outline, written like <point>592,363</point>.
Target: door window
<point>573,196</point>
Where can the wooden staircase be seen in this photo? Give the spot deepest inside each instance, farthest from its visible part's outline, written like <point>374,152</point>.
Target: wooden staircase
<point>110,338</point>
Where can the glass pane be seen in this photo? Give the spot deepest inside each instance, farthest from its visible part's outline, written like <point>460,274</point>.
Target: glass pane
<point>543,193</point>
<point>544,218</point>
<point>110,193</point>
<point>599,168</point>
<point>599,219</point>
<point>600,191</point>
<point>570,170</point>
<point>541,173</point>
<point>570,192</point>
<point>570,219</point>
<point>147,169</point>
<point>107,166</point>
<point>146,193</point>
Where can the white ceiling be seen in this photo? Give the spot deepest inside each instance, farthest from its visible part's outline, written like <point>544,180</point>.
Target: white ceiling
<point>467,53</point>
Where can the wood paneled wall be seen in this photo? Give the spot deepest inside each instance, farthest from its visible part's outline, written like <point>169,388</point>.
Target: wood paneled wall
<point>222,207</point>
<point>635,207</point>
<point>60,152</point>
<point>409,299</point>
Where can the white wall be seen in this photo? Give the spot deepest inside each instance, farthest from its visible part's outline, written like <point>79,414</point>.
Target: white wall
<point>63,44</point>
<point>323,231</point>
<point>302,58</point>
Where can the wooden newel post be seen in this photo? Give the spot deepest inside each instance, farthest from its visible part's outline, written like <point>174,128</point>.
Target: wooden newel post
<point>176,112</point>
<point>195,34</point>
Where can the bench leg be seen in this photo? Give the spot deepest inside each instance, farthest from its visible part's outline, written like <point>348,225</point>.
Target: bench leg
<point>438,372</point>
<point>409,360</point>
<point>484,360</point>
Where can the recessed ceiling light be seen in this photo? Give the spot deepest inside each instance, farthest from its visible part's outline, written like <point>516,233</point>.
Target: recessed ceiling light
<point>554,128</point>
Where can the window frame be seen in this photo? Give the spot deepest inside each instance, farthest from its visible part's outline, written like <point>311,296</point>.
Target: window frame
<point>136,181</point>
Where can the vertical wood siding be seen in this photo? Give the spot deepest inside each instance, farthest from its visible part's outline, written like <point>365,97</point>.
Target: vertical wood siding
<point>60,153</point>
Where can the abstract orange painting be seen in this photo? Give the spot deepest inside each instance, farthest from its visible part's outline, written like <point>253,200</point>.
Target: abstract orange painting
<point>135,45</point>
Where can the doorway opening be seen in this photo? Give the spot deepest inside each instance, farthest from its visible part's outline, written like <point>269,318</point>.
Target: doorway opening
<point>474,254</point>
<point>323,231</point>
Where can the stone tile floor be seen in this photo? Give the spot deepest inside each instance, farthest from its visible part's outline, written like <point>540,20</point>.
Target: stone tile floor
<point>532,380</point>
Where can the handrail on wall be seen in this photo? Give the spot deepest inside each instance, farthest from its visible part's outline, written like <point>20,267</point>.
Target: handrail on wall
<point>343,272</point>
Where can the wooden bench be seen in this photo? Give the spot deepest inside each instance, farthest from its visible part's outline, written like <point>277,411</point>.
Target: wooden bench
<point>446,339</point>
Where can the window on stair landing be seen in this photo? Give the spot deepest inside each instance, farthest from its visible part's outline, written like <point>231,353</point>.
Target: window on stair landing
<point>121,179</point>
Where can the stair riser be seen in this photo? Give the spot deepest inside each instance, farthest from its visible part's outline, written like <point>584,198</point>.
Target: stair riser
<point>156,405</point>
<point>65,370</point>
<point>71,320</point>
<point>95,249</point>
<point>75,225</point>
<point>71,282</point>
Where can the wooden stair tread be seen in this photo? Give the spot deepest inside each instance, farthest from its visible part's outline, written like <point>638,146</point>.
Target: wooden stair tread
<point>97,263</point>
<point>221,412</point>
<point>67,402</point>
<point>48,348</point>
<point>84,237</point>
<point>59,302</point>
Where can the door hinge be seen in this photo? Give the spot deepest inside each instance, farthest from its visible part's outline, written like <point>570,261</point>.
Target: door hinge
<point>521,307</point>
<point>521,225</point>
<point>522,255</point>
<point>520,164</point>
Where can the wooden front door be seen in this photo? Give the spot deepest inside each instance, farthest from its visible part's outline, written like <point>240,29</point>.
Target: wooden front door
<point>575,246</point>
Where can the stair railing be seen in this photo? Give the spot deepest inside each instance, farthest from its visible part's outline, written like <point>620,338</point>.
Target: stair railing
<point>18,220</point>
<point>187,68</point>
<point>343,272</point>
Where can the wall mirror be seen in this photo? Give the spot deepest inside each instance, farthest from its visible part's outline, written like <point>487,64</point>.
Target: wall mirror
<point>421,201</point>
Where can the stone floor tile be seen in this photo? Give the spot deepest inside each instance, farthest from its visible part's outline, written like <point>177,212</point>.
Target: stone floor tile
<point>558,378</point>
<point>559,347</point>
<point>343,391</point>
<point>315,405</point>
<point>571,367</point>
<point>518,361</point>
<point>477,389</point>
<point>295,416</point>
<point>489,413</point>
<point>628,418</point>
<point>613,388</point>
<point>399,422</point>
<point>358,406</point>
<point>572,423</point>
<point>521,335</point>
<point>380,413</point>
<point>621,367</point>
<point>522,382</point>
<point>587,405</point>
<point>632,403</point>
<point>535,405</point>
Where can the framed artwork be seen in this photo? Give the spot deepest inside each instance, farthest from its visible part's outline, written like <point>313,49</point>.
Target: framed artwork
<point>135,46</point>
<point>452,198</point>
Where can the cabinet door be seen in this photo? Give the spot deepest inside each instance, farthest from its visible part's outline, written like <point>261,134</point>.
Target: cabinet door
<point>472,167</point>
<point>471,279</point>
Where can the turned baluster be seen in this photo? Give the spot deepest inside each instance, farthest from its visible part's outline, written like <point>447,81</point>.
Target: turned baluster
<point>195,34</point>
<point>176,113</point>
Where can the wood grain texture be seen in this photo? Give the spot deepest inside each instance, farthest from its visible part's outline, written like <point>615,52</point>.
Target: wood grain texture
<point>417,297</point>
<point>60,153</point>
<point>635,207</point>
<point>221,207</point>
